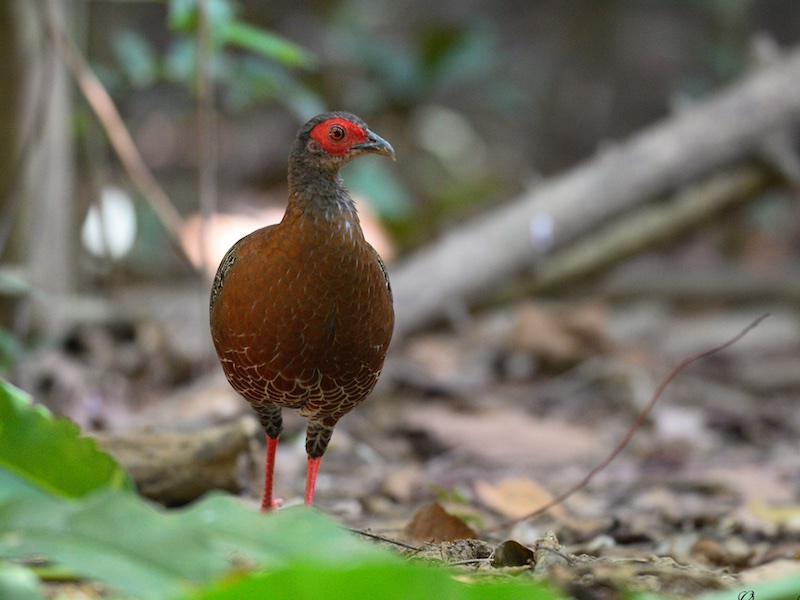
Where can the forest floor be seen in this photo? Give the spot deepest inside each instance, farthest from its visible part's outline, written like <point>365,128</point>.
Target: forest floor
<point>489,422</point>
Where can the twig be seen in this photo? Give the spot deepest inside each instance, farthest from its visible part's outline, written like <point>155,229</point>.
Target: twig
<point>383,538</point>
<point>636,425</point>
<point>121,140</point>
<point>468,561</point>
<point>206,123</point>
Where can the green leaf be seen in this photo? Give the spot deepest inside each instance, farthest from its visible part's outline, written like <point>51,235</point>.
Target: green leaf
<point>291,534</point>
<point>111,536</point>
<point>136,57</point>
<point>19,583</point>
<point>180,60</point>
<point>266,44</point>
<point>50,453</point>
<point>183,14</point>
<point>144,550</point>
<point>10,349</point>
<point>385,580</point>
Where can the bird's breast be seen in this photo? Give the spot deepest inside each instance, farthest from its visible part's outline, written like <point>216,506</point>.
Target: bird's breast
<point>300,302</point>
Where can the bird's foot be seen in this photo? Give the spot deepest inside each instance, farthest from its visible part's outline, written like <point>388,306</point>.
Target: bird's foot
<point>271,505</point>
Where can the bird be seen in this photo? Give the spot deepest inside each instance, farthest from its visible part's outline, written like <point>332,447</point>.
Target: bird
<point>301,312</point>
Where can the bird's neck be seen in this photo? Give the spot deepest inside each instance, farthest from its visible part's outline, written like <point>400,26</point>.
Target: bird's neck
<point>321,197</point>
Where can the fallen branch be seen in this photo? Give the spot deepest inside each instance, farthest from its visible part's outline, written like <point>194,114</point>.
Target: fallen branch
<point>710,284</point>
<point>630,433</point>
<point>647,228</point>
<point>470,263</point>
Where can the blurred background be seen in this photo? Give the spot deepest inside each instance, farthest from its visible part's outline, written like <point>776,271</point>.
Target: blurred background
<point>104,287</point>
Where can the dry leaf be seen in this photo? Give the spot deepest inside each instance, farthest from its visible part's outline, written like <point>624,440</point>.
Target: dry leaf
<point>504,436</point>
<point>563,335</point>
<point>514,498</point>
<point>432,523</point>
<point>785,517</point>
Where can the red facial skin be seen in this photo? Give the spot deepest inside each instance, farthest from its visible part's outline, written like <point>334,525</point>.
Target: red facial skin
<point>336,136</point>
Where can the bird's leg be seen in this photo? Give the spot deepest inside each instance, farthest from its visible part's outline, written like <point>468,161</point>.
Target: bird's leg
<point>267,501</point>
<point>317,437</point>
<point>271,421</point>
<point>311,479</point>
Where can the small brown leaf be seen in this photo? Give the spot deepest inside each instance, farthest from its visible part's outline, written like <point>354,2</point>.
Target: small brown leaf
<point>432,523</point>
<point>560,335</point>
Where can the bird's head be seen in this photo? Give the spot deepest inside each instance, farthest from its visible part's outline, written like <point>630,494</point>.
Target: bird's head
<point>332,140</point>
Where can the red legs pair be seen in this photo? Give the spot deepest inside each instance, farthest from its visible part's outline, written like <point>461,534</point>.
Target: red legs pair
<point>270,503</point>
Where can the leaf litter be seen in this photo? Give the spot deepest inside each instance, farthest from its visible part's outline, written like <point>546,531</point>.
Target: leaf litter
<point>499,423</point>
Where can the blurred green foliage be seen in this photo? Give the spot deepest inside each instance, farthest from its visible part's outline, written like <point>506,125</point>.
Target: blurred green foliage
<point>49,453</point>
<point>68,503</point>
<point>249,64</point>
<point>535,89</point>
<point>65,502</point>
<point>11,350</point>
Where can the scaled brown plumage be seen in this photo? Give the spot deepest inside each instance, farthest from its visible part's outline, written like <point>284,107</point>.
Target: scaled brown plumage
<point>301,311</point>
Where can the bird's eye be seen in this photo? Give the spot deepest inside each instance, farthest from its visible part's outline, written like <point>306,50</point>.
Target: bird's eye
<point>336,133</point>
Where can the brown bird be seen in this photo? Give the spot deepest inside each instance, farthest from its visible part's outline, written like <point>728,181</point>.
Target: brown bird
<point>301,311</point>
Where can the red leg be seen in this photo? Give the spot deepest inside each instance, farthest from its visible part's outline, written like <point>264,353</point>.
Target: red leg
<point>311,479</point>
<point>267,502</point>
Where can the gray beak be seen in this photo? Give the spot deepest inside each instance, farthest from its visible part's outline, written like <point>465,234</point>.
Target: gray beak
<point>376,144</point>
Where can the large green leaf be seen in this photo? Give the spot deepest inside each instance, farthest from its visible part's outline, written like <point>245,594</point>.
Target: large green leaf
<point>50,453</point>
<point>289,535</point>
<point>385,580</point>
<point>110,536</point>
<point>142,549</point>
<point>63,500</point>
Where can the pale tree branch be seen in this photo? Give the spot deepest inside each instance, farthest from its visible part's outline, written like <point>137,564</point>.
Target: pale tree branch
<point>651,226</point>
<point>470,263</point>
